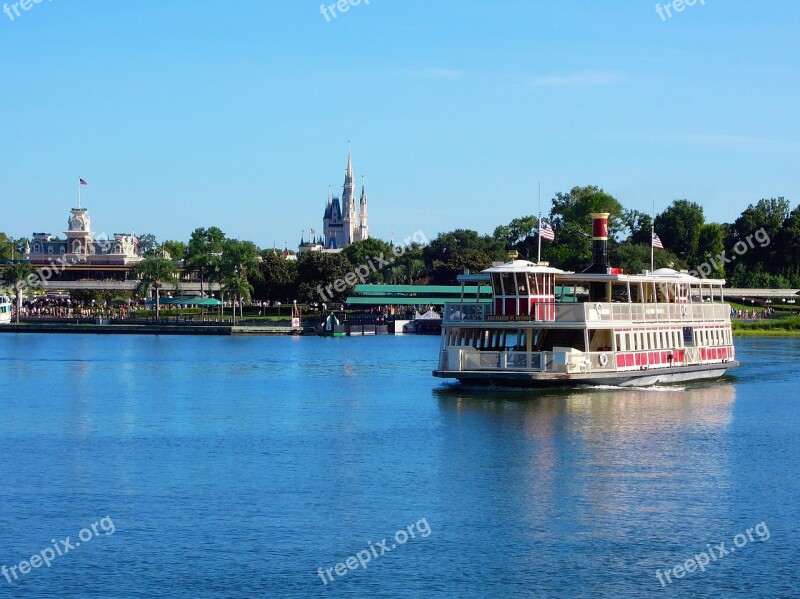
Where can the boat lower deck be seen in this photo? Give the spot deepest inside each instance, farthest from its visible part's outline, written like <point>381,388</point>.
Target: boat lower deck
<point>639,378</point>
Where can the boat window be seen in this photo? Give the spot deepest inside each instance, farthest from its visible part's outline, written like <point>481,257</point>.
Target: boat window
<point>522,286</point>
<point>507,280</point>
<point>688,337</point>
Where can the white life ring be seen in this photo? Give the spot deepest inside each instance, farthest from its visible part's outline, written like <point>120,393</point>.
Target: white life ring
<point>603,360</point>
<point>684,310</point>
<point>599,307</point>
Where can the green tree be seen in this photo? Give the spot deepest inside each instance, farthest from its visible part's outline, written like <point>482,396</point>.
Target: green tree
<point>473,260</point>
<point>204,251</point>
<point>366,252</point>
<point>448,246</point>
<point>679,228</point>
<point>710,245</point>
<point>278,278</point>
<point>634,258</point>
<point>154,274</point>
<point>8,248</point>
<point>240,260</point>
<point>577,206</point>
<point>572,248</point>
<point>237,286</point>
<point>520,235</point>
<point>770,215</point>
<point>316,271</point>
<point>176,249</point>
<point>639,225</point>
<point>148,244</point>
<point>18,276</point>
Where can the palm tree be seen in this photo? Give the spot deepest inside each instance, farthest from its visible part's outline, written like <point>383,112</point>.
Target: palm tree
<point>155,273</point>
<point>16,275</point>
<point>203,252</point>
<point>240,288</point>
<point>416,268</point>
<point>240,261</point>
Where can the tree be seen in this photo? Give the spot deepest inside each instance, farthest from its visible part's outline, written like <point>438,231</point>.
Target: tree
<point>8,247</point>
<point>789,242</point>
<point>679,228</point>
<point>472,260</point>
<point>639,225</point>
<point>519,235</point>
<point>240,260</point>
<point>710,245</point>
<point>239,287</point>
<point>176,249</point>
<point>448,246</point>
<point>204,251</point>
<point>155,273</point>
<point>316,271</point>
<point>768,215</point>
<point>278,278</point>
<point>634,258</point>
<point>366,252</point>
<point>572,248</point>
<point>148,245</point>
<point>19,275</point>
<point>577,206</point>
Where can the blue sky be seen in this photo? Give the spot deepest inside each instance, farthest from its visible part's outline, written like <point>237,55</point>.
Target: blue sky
<point>237,114</point>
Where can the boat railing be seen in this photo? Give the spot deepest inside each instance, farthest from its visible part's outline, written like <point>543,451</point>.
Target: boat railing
<point>560,360</point>
<point>595,312</point>
<point>468,359</point>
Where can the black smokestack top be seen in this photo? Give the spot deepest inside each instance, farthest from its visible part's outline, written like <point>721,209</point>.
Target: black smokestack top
<point>599,243</point>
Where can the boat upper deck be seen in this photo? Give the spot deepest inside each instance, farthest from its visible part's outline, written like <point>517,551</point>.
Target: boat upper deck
<point>524,292</point>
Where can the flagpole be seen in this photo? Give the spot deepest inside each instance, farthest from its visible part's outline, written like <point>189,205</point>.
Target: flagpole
<point>79,193</point>
<point>539,256</point>
<point>652,238</point>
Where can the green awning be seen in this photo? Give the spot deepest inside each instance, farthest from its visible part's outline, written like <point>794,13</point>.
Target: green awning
<point>408,301</point>
<point>190,301</point>
<point>427,290</point>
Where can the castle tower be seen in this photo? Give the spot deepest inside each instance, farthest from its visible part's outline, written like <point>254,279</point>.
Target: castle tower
<point>363,226</point>
<point>349,202</point>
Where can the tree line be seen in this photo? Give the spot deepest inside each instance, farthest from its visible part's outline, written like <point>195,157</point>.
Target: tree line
<point>247,272</point>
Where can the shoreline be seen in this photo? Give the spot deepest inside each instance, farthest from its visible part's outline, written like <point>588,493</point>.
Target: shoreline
<point>148,329</point>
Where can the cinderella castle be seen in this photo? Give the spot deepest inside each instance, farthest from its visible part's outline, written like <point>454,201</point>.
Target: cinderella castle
<point>340,225</point>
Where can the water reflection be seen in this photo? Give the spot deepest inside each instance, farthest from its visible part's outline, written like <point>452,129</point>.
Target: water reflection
<point>594,461</point>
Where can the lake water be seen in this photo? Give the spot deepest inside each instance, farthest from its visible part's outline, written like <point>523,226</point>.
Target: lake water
<point>239,467</point>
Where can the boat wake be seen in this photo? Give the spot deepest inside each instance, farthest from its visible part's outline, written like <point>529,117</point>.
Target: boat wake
<point>654,388</point>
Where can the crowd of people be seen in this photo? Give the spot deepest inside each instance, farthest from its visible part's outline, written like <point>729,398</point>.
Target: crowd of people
<point>753,313</point>
<point>58,307</point>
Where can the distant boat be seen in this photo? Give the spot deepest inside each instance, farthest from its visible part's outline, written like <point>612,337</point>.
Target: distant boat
<point>5,310</point>
<point>549,327</point>
<point>331,327</point>
<point>429,323</point>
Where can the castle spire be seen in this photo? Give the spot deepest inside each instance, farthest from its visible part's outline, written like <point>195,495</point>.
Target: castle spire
<point>349,175</point>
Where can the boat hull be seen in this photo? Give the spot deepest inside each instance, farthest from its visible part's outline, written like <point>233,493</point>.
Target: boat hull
<point>638,378</point>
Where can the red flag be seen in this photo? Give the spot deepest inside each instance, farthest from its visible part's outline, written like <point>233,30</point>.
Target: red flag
<point>83,182</point>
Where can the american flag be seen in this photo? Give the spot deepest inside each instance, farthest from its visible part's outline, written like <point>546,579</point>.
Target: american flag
<point>313,232</point>
<point>546,231</point>
<point>657,241</point>
<point>83,182</point>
